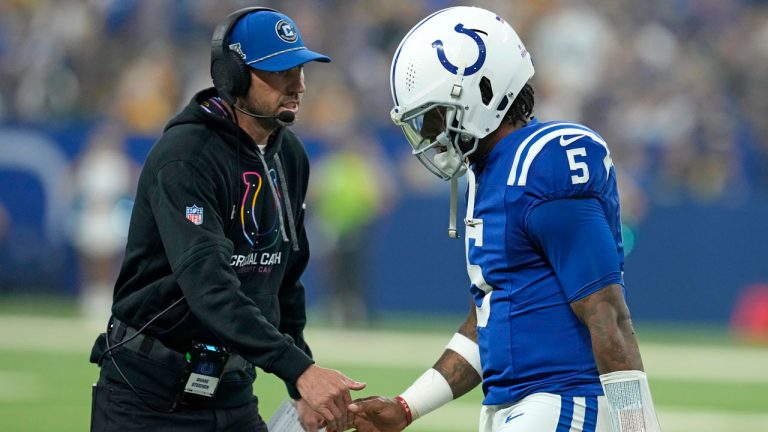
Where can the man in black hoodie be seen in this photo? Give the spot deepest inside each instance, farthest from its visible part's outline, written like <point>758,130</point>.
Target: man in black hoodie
<point>209,286</point>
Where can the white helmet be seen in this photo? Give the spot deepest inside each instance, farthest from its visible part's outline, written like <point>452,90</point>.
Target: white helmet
<point>436,76</point>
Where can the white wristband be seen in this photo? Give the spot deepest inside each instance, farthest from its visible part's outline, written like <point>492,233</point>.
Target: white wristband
<point>468,349</point>
<point>629,398</point>
<point>428,393</point>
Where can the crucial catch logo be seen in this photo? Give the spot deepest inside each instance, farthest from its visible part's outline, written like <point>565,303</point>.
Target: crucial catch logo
<point>265,258</point>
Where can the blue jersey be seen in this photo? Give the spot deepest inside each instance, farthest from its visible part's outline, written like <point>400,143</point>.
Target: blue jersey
<point>542,231</point>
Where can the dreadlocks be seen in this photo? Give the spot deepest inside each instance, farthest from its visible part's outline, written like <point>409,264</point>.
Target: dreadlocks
<point>522,107</point>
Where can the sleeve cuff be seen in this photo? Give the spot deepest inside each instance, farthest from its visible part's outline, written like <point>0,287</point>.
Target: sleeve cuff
<point>609,279</point>
<point>289,365</point>
<point>293,392</point>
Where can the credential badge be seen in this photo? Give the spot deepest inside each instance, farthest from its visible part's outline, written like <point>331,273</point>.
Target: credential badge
<point>195,214</point>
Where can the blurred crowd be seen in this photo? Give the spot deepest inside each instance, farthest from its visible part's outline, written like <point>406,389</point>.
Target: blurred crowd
<point>678,88</point>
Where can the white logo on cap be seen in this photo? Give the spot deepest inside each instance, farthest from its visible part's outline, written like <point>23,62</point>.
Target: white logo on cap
<point>236,48</point>
<point>285,31</point>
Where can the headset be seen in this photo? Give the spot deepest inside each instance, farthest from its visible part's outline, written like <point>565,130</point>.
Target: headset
<point>231,76</point>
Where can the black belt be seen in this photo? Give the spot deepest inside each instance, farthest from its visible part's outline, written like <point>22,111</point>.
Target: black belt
<point>153,349</point>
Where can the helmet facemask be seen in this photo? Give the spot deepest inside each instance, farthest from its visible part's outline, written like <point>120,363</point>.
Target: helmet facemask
<point>439,142</point>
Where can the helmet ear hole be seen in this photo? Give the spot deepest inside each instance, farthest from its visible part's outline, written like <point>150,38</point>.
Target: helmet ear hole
<point>486,90</point>
<point>502,104</point>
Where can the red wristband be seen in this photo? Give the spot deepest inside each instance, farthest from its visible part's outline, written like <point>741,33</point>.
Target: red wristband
<point>407,409</point>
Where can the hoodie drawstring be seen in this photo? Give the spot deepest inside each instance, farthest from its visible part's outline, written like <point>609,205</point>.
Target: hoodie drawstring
<point>289,210</point>
<point>274,196</point>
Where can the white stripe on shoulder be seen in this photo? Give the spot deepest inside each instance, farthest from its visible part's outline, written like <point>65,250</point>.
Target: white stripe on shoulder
<point>538,146</point>
<point>522,146</point>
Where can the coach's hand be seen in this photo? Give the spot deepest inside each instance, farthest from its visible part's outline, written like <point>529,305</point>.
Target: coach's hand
<point>327,392</point>
<point>310,420</point>
<point>378,414</point>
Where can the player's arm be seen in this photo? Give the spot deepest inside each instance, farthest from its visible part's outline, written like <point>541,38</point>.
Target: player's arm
<point>460,362</point>
<point>607,316</point>
<point>455,373</point>
<point>618,359</point>
<point>576,239</point>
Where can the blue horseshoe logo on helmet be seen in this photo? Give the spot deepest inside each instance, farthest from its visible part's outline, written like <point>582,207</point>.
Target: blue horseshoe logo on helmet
<point>452,68</point>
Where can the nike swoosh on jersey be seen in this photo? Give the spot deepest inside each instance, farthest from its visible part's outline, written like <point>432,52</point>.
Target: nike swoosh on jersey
<point>510,418</point>
<point>564,142</point>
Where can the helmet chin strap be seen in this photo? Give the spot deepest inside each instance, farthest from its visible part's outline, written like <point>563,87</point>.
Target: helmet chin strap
<point>450,162</point>
<point>452,233</point>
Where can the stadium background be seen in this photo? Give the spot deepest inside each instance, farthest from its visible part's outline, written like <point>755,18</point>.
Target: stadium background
<point>678,88</point>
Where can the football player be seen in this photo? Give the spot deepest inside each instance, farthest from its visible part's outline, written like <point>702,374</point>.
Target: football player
<point>549,334</point>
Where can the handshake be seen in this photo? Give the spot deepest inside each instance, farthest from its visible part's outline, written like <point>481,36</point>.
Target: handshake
<point>326,402</point>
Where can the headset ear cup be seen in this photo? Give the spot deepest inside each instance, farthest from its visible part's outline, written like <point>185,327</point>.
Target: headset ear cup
<point>222,79</point>
<point>231,76</point>
<point>241,75</point>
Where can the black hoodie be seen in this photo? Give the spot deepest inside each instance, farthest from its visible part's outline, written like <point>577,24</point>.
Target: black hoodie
<point>205,225</point>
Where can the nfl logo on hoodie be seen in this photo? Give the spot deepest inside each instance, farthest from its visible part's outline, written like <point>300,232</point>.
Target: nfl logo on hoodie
<point>195,214</point>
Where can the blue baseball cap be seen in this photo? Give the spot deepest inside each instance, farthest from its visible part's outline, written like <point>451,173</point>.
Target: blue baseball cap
<point>270,41</point>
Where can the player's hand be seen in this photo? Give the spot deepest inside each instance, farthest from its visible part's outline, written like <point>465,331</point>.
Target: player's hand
<point>327,392</point>
<point>310,420</point>
<point>378,414</point>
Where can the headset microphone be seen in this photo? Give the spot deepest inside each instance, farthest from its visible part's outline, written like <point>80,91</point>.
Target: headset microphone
<point>283,117</point>
<point>286,116</point>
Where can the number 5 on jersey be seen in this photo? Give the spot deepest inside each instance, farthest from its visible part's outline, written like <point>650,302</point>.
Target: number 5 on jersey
<point>580,167</point>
